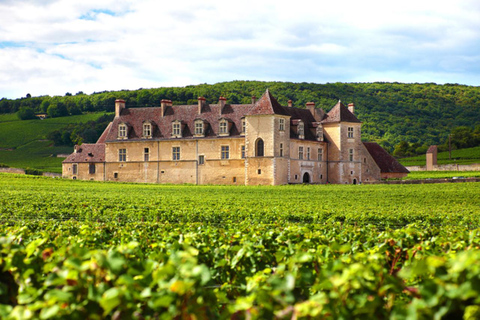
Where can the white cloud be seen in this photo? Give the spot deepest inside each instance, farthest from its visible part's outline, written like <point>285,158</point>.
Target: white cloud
<point>51,47</point>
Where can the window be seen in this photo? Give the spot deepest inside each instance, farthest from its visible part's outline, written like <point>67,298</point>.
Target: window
<point>243,152</point>
<point>122,154</point>
<point>301,130</point>
<point>122,131</point>
<point>147,130</point>
<point>320,155</point>
<point>300,153</point>
<point>259,171</point>
<point>223,127</point>
<point>75,168</point>
<point>225,152</point>
<point>259,152</point>
<point>308,153</point>
<point>243,125</point>
<point>350,132</point>
<point>91,168</point>
<point>199,128</point>
<point>176,129</point>
<point>201,159</point>
<point>175,153</point>
<point>281,149</point>
<point>350,153</point>
<point>234,179</point>
<point>281,125</point>
<point>146,154</point>
<point>115,175</point>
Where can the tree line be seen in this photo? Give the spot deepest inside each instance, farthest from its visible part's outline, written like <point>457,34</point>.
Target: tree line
<point>392,113</point>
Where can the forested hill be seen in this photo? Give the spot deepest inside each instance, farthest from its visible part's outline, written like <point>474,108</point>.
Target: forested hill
<point>391,112</point>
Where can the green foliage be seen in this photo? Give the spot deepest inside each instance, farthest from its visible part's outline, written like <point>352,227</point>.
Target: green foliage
<point>390,112</point>
<point>24,143</point>
<point>79,133</point>
<point>87,250</point>
<point>3,165</point>
<point>26,113</point>
<point>33,172</point>
<point>462,156</point>
<point>420,175</point>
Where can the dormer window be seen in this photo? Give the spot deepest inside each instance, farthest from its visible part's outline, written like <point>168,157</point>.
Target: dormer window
<point>301,130</point>
<point>147,130</point>
<point>122,131</point>
<point>224,127</point>
<point>199,128</point>
<point>176,129</point>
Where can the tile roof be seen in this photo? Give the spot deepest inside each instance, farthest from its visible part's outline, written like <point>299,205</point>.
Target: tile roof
<point>87,152</point>
<point>267,104</point>
<point>340,113</point>
<point>383,159</point>
<point>188,114</point>
<point>432,149</point>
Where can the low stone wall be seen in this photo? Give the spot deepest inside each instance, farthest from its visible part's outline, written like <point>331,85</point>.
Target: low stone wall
<point>425,181</point>
<point>12,170</point>
<point>52,175</point>
<point>22,171</point>
<point>448,167</point>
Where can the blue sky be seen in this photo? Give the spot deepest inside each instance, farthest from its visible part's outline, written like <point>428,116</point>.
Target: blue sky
<point>50,47</point>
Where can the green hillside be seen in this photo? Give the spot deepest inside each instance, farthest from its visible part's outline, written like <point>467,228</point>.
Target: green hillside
<point>23,143</point>
<point>390,112</point>
<point>462,156</point>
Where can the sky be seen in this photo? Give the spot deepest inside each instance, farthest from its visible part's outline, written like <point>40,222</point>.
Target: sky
<point>51,47</point>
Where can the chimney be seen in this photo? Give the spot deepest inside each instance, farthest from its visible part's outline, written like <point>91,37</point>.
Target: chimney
<point>254,99</point>
<point>201,103</point>
<point>163,107</point>
<point>119,106</point>
<point>351,107</point>
<point>290,103</point>
<point>221,102</point>
<point>311,108</point>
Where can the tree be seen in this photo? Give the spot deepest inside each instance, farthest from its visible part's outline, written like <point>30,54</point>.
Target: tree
<point>25,113</point>
<point>57,110</point>
<point>462,137</point>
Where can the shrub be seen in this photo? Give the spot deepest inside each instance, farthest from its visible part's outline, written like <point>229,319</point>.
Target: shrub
<point>34,172</point>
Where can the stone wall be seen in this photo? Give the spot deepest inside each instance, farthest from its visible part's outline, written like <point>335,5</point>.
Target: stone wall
<point>448,167</point>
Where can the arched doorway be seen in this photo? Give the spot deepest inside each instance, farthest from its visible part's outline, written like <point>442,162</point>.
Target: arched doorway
<point>306,178</point>
<point>259,152</point>
<point>354,181</point>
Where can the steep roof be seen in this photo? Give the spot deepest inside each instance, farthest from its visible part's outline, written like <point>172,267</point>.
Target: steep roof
<point>267,104</point>
<point>383,159</point>
<point>87,153</point>
<point>432,149</point>
<point>187,114</point>
<point>340,113</point>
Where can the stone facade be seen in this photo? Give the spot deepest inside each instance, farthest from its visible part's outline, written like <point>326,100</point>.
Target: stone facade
<point>262,143</point>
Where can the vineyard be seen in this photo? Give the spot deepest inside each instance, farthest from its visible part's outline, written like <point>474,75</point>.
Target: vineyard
<point>86,250</point>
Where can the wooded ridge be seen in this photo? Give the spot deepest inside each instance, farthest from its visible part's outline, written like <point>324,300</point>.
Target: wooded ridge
<point>421,114</point>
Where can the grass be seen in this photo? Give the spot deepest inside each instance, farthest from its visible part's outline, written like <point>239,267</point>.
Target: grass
<point>418,175</point>
<point>23,143</point>
<point>462,156</point>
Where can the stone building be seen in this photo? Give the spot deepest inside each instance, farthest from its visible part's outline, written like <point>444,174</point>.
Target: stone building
<point>243,144</point>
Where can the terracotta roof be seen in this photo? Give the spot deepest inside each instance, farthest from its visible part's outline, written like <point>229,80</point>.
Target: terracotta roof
<point>340,113</point>
<point>104,134</point>
<point>432,149</point>
<point>384,160</point>
<point>188,114</point>
<point>267,104</point>
<point>87,153</point>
